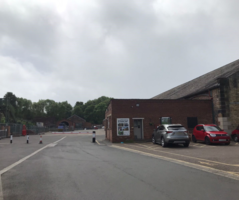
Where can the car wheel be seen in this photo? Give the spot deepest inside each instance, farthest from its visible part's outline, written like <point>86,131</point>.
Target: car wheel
<point>235,138</point>
<point>186,144</point>
<point>163,143</point>
<point>207,141</point>
<point>153,140</point>
<point>194,139</point>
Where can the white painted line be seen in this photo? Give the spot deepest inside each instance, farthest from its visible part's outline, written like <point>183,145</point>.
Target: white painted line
<point>231,175</point>
<point>23,159</point>
<point>1,190</point>
<point>97,142</point>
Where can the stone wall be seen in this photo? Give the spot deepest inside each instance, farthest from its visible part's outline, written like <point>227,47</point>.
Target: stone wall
<point>233,104</point>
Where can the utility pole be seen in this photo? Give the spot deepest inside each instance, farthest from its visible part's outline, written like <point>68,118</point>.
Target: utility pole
<point>7,111</point>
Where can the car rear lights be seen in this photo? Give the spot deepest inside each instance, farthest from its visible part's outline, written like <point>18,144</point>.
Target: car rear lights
<point>169,132</point>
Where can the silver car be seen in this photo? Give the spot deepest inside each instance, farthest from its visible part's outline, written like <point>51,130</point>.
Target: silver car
<point>171,134</point>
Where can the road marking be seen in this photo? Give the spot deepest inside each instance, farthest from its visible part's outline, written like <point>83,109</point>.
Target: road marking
<point>25,158</point>
<point>164,151</point>
<point>52,145</point>
<point>97,142</point>
<point>206,163</point>
<point>232,175</point>
<point>20,161</point>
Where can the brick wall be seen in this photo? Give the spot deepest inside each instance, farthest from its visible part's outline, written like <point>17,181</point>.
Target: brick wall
<point>151,110</point>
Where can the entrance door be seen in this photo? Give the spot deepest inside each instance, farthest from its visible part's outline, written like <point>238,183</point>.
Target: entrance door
<point>138,129</point>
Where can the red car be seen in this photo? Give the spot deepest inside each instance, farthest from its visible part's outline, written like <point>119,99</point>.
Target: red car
<point>210,133</point>
<point>235,135</point>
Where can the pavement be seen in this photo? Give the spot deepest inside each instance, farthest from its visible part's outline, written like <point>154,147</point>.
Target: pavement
<point>70,166</point>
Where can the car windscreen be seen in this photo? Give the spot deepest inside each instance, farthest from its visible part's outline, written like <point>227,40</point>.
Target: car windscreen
<point>178,128</point>
<point>212,128</point>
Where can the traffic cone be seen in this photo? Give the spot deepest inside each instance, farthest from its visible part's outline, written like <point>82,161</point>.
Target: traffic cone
<point>40,140</point>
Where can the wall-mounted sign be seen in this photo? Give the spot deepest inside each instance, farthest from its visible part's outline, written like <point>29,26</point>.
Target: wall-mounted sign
<point>166,120</point>
<point>123,128</point>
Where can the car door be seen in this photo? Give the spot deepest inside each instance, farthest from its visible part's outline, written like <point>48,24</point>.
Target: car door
<point>200,133</point>
<point>158,134</point>
<point>162,132</point>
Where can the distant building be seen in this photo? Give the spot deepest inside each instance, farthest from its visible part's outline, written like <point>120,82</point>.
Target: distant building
<point>221,86</point>
<point>39,124</point>
<point>75,121</point>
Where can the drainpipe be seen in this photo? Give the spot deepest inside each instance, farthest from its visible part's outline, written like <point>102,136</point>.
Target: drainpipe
<point>213,115</point>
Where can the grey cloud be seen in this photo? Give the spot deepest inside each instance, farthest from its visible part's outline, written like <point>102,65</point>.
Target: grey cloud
<point>121,49</point>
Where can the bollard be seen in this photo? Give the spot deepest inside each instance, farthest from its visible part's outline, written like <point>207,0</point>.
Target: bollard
<point>27,139</point>
<point>40,140</point>
<point>11,139</point>
<point>93,137</point>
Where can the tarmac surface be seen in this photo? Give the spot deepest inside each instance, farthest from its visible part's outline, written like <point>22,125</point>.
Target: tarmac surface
<point>70,166</point>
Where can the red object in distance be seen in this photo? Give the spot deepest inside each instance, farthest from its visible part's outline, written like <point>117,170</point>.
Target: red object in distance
<point>24,130</point>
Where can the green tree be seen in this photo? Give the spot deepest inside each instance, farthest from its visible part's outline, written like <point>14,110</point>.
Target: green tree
<point>78,110</point>
<point>2,118</point>
<point>64,110</point>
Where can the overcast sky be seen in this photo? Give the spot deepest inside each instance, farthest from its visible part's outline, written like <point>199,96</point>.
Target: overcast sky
<point>81,50</point>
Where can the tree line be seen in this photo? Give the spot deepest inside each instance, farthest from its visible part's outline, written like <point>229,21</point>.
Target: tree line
<point>20,110</point>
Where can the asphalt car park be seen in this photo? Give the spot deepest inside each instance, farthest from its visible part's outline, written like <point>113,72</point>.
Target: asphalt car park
<point>217,156</point>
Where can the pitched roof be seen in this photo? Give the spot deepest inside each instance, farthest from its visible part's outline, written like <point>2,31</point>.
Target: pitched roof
<point>76,116</point>
<point>200,84</point>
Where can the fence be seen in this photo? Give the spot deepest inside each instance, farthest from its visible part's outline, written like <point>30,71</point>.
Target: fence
<point>36,130</point>
<point>3,131</point>
<point>15,129</point>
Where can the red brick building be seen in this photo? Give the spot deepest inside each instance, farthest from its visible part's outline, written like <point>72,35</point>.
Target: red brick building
<point>76,122</point>
<point>135,119</point>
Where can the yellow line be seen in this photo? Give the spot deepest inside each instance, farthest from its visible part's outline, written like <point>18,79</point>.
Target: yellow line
<point>97,142</point>
<point>228,174</point>
<point>235,165</point>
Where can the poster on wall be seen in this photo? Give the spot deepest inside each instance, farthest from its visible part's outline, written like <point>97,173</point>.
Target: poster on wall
<point>123,128</point>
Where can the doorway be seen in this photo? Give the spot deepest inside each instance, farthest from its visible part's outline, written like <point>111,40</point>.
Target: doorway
<point>138,130</point>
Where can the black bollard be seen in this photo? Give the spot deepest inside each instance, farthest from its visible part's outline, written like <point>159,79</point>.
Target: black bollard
<point>11,139</point>
<point>27,139</point>
<point>93,137</point>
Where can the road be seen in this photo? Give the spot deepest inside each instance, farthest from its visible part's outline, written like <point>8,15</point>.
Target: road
<point>75,168</point>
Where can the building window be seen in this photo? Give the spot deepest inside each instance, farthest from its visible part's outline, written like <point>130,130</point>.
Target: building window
<point>192,122</point>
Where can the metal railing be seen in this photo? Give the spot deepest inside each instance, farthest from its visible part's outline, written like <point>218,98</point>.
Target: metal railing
<point>3,131</point>
<point>15,129</point>
<point>36,130</point>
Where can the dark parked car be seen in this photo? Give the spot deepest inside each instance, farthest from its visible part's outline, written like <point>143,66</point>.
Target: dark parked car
<point>210,133</point>
<point>171,134</point>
